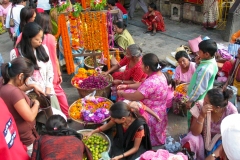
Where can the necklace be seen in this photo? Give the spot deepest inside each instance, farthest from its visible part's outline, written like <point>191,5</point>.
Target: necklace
<point>126,125</point>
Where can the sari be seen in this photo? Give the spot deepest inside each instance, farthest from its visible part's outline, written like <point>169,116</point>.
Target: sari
<point>156,20</point>
<point>210,14</point>
<point>124,141</point>
<point>210,139</point>
<point>235,76</point>
<point>123,40</point>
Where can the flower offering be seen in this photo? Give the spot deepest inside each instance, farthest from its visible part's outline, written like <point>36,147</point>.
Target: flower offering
<point>180,98</point>
<point>90,109</point>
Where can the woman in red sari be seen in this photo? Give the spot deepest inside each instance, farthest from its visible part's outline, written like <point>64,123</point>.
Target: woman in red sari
<point>153,19</point>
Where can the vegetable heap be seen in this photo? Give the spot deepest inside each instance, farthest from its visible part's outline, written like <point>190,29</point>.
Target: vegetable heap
<point>97,145</point>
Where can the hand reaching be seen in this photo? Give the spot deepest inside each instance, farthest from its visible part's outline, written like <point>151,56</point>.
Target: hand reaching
<point>122,86</point>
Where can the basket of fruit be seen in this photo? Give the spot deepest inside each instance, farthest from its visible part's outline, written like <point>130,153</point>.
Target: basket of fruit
<point>90,110</point>
<point>89,63</point>
<point>86,83</point>
<point>97,143</point>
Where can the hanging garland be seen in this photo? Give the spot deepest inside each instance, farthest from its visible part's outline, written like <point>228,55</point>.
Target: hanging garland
<point>63,31</point>
<point>118,58</point>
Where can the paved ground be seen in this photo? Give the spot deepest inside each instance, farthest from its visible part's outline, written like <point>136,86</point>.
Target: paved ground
<point>162,44</point>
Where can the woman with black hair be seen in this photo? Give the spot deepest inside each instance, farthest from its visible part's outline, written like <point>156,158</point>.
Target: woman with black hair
<point>132,133</point>
<point>15,75</point>
<point>207,115</point>
<point>153,93</point>
<point>59,142</point>
<point>27,14</point>
<point>31,47</point>
<point>153,19</point>
<point>185,68</point>
<point>122,38</point>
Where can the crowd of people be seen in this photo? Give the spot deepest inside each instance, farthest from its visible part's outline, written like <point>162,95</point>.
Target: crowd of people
<point>144,92</point>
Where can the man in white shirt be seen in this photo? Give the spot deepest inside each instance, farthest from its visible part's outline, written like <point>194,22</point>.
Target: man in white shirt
<point>16,16</point>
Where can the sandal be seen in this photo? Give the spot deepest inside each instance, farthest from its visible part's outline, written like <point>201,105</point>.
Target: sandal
<point>153,34</point>
<point>147,31</point>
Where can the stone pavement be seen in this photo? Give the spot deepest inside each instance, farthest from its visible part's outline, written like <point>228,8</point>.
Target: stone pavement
<point>162,44</point>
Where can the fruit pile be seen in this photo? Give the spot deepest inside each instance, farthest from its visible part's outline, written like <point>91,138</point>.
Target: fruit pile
<point>90,109</point>
<point>97,145</point>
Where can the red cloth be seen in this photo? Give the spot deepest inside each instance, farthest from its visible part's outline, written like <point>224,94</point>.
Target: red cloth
<point>60,147</point>
<point>11,148</point>
<point>40,10</point>
<point>156,20</point>
<point>120,6</point>
<point>135,73</point>
<point>226,68</point>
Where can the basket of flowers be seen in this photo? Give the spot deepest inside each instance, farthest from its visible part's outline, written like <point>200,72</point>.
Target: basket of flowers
<point>180,98</point>
<point>90,110</point>
<point>89,63</point>
<point>86,81</point>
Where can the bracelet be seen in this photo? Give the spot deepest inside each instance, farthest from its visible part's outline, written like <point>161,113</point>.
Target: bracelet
<point>99,129</point>
<point>199,122</point>
<point>123,155</point>
<point>127,86</point>
<point>122,81</point>
<point>213,155</point>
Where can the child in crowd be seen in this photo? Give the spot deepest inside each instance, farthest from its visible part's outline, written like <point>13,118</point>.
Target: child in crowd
<point>132,133</point>
<point>59,142</point>
<point>112,6</point>
<point>204,76</point>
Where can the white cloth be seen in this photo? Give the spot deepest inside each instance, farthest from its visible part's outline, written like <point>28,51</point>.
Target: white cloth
<point>16,16</point>
<point>230,131</point>
<point>44,4</point>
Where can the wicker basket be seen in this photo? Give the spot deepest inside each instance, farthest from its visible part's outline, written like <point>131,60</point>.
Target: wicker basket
<point>105,92</point>
<point>80,120</point>
<point>88,66</point>
<point>101,134</point>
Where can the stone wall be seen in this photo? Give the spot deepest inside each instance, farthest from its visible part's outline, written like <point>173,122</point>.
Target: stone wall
<point>193,13</point>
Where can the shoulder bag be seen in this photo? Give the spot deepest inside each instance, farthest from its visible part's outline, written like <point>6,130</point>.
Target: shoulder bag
<point>11,22</point>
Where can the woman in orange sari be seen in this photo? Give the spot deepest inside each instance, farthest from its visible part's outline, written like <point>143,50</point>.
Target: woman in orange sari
<point>153,19</point>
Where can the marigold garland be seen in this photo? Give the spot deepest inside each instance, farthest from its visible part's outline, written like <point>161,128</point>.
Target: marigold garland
<point>118,58</point>
<point>63,31</point>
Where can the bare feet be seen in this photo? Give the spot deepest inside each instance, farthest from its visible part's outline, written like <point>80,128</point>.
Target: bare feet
<point>153,34</point>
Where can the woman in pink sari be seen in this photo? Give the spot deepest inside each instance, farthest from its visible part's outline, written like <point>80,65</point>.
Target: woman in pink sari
<point>152,93</point>
<point>207,115</point>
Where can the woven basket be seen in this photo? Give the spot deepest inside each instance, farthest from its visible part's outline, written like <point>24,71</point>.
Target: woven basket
<point>80,120</point>
<point>101,134</point>
<point>105,92</point>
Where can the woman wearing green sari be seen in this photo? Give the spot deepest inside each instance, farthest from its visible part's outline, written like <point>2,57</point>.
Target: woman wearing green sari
<point>122,38</point>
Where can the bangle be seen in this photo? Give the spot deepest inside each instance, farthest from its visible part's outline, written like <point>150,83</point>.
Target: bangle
<point>127,86</point>
<point>213,155</point>
<point>99,129</point>
<point>123,155</point>
<point>122,81</point>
